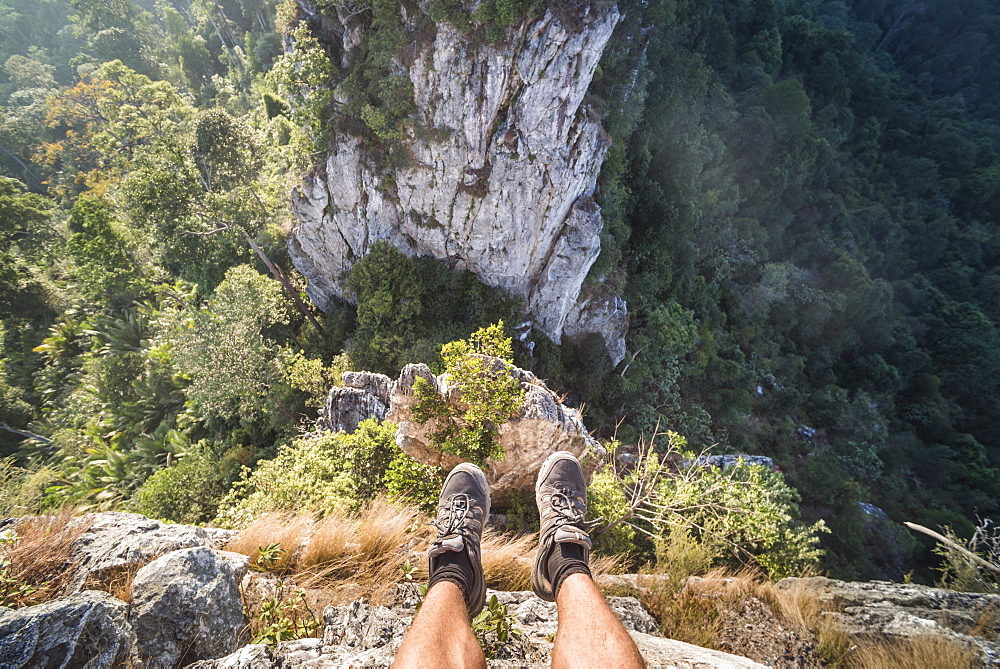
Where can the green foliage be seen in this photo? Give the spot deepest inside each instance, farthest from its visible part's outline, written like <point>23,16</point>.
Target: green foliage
<point>269,556</point>
<point>225,351</point>
<point>105,266</point>
<point>408,307</point>
<point>414,481</point>
<point>284,617</point>
<point>187,492</point>
<point>302,81</point>
<point>745,514</point>
<point>494,627</point>
<point>488,394</point>
<point>324,472</point>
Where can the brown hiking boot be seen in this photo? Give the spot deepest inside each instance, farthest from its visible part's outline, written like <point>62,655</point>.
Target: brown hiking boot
<point>561,496</point>
<point>455,554</point>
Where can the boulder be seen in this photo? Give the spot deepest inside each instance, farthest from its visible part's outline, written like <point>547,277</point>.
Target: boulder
<point>86,629</point>
<point>543,426</point>
<point>186,606</point>
<point>117,541</point>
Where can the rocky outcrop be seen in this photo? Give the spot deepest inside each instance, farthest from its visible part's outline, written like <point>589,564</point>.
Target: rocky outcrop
<point>543,426</point>
<point>899,610</point>
<point>116,541</point>
<point>87,629</point>
<point>360,635</point>
<point>503,161</point>
<point>186,606</point>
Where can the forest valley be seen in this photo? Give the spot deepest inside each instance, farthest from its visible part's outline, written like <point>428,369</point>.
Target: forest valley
<point>800,202</point>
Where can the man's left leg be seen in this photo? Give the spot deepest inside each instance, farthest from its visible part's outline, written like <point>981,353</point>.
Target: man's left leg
<point>440,635</point>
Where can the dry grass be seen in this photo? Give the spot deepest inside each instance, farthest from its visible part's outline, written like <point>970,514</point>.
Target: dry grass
<point>40,559</point>
<point>364,549</point>
<point>507,560</point>
<point>286,530</point>
<point>919,652</point>
<point>117,581</point>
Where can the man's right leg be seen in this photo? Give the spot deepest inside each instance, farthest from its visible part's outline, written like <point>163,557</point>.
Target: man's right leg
<point>440,635</point>
<point>589,635</point>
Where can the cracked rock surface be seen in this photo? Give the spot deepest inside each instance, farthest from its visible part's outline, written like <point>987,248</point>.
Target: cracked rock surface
<point>361,635</point>
<point>503,161</point>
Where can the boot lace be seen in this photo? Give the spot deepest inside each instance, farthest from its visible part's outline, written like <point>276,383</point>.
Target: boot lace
<point>459,508</point>
<point>568,512</point>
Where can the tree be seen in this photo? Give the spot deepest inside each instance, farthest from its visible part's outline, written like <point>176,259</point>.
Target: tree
<point>224,350</point>
<point>489,394</point>
<point>107,269</point>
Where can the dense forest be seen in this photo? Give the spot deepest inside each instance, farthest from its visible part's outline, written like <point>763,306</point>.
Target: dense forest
<point>800,203</point>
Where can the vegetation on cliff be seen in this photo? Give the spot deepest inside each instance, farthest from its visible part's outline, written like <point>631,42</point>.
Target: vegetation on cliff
<point>800,205</point>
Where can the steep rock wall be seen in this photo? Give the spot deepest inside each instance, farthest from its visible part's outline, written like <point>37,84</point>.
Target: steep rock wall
<point>504,158</point>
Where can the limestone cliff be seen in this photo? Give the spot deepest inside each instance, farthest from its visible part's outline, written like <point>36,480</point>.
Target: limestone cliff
<point>503,157</point>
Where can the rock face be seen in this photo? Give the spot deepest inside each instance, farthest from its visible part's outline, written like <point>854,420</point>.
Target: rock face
<point>897,610</point>
<point>85,629</point>
<point>186,606</point>
<point>116,541</point>
<point>360,635</point>
<point>543,426</point>
<point>504,157</point>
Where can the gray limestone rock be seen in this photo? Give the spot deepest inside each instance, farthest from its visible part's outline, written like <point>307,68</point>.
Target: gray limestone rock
<point>902,610</point>
<point>503,164</point>
<point>116,541</point>
<point>346,407</point>
<point>543,426</point>
<point>361,635</point>
<point>186,606</point>
<point>86,629</point>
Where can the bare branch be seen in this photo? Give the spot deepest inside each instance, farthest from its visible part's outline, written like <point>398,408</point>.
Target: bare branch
<point>951,544</point>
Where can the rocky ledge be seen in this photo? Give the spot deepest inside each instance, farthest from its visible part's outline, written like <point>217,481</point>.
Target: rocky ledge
<point>543,426</point>
<point>503,160</point>
<point>186,608</point>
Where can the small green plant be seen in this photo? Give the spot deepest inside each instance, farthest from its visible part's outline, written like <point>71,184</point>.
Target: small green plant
<point>284,617</point>
<point>407,572</point>
<point>488,395</point>
<point>269,557</point>
<point>494,626</point>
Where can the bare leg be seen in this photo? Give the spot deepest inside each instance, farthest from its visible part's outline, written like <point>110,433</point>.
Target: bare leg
<point>440,635</point>
<point>590,635</point>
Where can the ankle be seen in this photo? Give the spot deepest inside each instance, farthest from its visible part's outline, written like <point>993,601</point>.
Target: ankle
<point>566,559</point>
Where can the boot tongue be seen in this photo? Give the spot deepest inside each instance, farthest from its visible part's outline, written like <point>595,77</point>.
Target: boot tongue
<point>567,534</point>
<point>451,543</point>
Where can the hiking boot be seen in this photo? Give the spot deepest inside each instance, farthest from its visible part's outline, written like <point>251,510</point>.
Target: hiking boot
<point>455,553</point>
<point>563,544</point>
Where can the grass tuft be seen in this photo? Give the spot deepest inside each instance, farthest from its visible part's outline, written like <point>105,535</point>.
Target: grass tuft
<point>40,560</point>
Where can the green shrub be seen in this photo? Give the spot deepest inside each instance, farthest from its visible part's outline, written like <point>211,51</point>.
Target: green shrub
<point>606,499</point>
<point>329,472</point>
<point>746,514</point>
<point>489,394</point>
<point>188,492</point>
<point>417,482</point>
